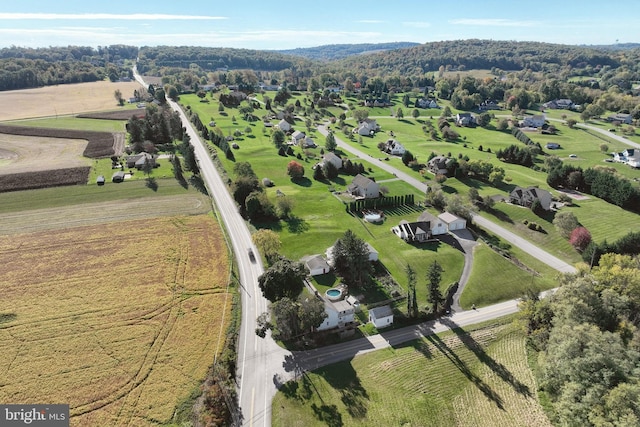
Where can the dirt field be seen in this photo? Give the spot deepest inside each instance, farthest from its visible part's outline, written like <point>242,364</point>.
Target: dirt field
<point>29,154</point>
<point>121,320</point>
<point>62,99</point>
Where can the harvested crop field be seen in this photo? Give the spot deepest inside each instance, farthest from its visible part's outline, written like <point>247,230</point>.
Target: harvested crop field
<point>31,154</point>
<point>98,144</point>
<point>139,208</point>
<point>120,320</point>
<point>63,99</point>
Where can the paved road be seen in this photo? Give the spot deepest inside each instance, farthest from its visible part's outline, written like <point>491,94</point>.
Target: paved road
<point>259,360</point>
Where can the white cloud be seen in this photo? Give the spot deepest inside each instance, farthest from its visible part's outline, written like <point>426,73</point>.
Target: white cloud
<point>493,22</point>
<point>112,16</point>
<point>416,24</point>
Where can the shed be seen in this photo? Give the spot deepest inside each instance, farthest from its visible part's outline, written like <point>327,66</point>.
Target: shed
<point>118,176</point>
<point>316,265</point>
<point>381,317</point>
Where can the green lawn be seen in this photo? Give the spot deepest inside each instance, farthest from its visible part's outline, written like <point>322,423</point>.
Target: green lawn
<point>494,279</point>
<point>476,377</point>
<point>79,194</point>
<point>69,122</point>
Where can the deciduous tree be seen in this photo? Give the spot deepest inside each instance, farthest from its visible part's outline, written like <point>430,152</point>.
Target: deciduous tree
<point>283,279</point>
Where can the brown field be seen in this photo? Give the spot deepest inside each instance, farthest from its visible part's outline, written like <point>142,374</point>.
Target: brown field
<point>62,99</point>
<point>31,154</point>
<point>121,320</point>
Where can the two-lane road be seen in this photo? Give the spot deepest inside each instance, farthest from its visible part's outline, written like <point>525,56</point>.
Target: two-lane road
<point>259,359</point>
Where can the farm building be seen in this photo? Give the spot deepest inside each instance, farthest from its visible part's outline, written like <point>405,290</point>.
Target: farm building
<point>452,221</point>
<point>118,176</point>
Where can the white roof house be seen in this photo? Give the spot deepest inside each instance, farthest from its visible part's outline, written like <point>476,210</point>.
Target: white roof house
<point>381,317</point>
<point>333,159</point>
<point>367,127</point>
<point>316,265</point>
<point>361,186</point>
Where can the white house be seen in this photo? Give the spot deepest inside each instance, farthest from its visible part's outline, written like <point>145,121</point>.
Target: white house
<point>436,225</point>
<point>339,314</point>
<point>316,265</point>
<point>452,221</point>
<point>534,121</point>
<point>394,148</point>
<point>361,186</point>
<point>367,127</point>
<point>632,157</point>
<point>412,231</point>
<point>284,125</point>
<point>426,103</point>
<point>381,317</point>
<point>465,119</point>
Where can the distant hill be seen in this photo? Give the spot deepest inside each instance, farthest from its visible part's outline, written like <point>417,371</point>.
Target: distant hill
<point>617,46</point>
<point>331,52</point>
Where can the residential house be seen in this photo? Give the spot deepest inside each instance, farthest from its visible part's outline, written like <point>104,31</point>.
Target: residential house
<point>621,118</point>
<point>381,317</point>
<point>364,187</point>
<point>297,136</point>
<point>333,159</point>
<point>284,126</point>
<point>412,231</point>
<point>465,119</point>
<point>139,160</point>
<point>559,104</point>
<point>426,103</point>
<point>317,265</point>
<point>536,121</point>
<point>367,127</point>
<point>373,254</point>
<point>339,314</point>
<point>452,222</point>
<point>308,143</point>
<point>394,148</point>
<point>436,225</point>
<point>489,104</point>
<point>630,156</point>
<point>526,196</point>
<point>439,165</point>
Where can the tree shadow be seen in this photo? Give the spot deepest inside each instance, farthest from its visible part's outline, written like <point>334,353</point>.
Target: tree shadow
<point>446,351</point>
<point>352,394</point>
<point>329,414</point>
<point>197,182</point>
<point>303,182</point>
<point>151,183</point>
<point>297,225</point>
<point>497,367</point>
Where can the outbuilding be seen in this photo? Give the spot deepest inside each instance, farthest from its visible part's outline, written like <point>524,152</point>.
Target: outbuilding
<point>381,317</point>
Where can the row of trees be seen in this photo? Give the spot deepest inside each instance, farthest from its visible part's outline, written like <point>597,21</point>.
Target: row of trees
<point>160,125</point>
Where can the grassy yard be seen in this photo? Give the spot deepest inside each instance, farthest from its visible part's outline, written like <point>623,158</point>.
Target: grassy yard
<point>71,122</point>
<point>476,377</point>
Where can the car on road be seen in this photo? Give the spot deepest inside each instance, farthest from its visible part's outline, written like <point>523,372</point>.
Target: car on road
<point>252,256</point>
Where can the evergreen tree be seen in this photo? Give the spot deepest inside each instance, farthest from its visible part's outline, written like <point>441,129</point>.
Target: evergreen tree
<point>434,276</point>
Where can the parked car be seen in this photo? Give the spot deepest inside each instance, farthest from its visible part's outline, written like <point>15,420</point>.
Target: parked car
<point>573,156</point>
<point>100,180</point>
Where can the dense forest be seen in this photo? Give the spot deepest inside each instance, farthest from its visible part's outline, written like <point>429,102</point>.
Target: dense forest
<point>22,68</point>
<point>338,51</point>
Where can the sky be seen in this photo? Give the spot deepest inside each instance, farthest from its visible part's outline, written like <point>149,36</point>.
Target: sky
<point>286,24</point>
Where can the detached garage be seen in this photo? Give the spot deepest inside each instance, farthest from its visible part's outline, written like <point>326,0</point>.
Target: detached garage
<point>453,222</point>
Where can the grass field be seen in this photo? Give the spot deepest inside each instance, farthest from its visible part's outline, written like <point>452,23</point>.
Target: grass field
<point>63,99</point>
<point>463,378</point>
<point>121,320</point>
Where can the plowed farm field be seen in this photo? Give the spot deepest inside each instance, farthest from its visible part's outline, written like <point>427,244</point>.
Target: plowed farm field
<point>121,320</point>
